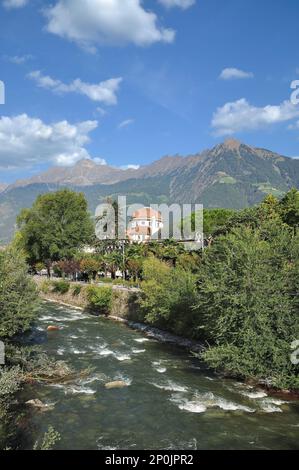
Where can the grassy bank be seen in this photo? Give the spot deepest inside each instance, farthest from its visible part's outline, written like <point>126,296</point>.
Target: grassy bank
<point>98,299</point>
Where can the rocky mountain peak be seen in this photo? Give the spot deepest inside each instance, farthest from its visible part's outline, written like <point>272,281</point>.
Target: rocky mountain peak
<point>232,144</point>
<point>86,163</point>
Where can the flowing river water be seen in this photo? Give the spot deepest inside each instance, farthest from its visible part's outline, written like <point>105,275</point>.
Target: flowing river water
<point>171,400</point>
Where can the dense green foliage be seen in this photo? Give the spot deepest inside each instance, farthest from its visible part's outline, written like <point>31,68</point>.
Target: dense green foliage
<point>242,299</point>
<point>18,302</point>
<point>248,303</point>
<point>18,296</point>
<point>10,382</point>
<point>61,287</point>
<point>45,286</point>
<point>55,227</point>
<point>168,294</point>
<point>100,298</point>
<point>213,220</point>
<point>23,364</point>
<point>50,439</point>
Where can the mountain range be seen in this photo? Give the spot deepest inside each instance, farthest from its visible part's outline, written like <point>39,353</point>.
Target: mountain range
<point>230,175</point>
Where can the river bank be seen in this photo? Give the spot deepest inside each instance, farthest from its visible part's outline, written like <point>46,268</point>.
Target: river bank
<point>125,308</point>
<point>149,331</point>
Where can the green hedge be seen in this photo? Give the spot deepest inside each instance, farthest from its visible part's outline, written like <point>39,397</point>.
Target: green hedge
<point>100,298</point>
<point>61,287</point>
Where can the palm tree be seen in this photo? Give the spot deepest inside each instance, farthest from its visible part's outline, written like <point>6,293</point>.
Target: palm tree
<point>134,266</point>
<point>113,261</point>
<point>171,250</point>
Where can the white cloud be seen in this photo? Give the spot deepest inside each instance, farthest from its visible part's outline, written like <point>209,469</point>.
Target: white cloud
<point>26,141</point>
<point>130,167</point>
<point>100,161</point>
<point>11,4</point>
<point>240,116</point>
<point>19,59</point>
<point>126,123</point>
<point>91,23</point>
<point>184,4</point>
<point>234,74</point>
<point>103,92</point>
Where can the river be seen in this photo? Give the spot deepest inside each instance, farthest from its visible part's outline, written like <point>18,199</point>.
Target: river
<point>171,400</point>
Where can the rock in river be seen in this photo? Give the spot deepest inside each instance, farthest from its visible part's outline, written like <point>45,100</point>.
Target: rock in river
<point>40,405</point>
<point>116,384</point>
<point>53,328</point>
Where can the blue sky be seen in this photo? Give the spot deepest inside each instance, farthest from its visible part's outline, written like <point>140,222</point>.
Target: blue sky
<point>128,81</point>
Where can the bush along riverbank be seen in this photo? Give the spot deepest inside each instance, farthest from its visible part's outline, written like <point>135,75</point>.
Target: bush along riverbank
<point>242,300</point>
<point>97,299</point>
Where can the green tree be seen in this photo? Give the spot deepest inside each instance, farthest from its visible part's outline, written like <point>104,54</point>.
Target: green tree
<point>248,302</point>
<point>113,240</point>
<point>113,261</point>
<point>134,266</point>
<point>90,266</point>
<point>289,208</point>
<point>285,210</point>
<point>189,261</point>
<point>18,295</point>
<point>170,251</point>
<point>213,220</point>
<point>167,297</point>
<point>56,226</point>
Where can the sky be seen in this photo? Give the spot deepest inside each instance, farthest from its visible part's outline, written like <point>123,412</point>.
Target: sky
<point>125,82</point>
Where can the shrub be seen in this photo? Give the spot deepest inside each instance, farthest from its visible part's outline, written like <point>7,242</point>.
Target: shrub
<point>61,287</point>
<point>10,382</point>
<point>100,298</point>
<point>45,286</point>
<point>50,439</point>
<point>167,298</point>
<point>76,290</point>
<point>248,303</point>
<point>18,295</point>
